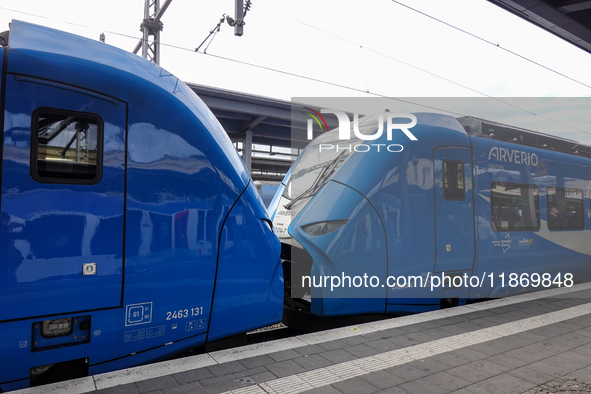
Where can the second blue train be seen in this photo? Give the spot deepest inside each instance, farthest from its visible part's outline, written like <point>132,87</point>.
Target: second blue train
<point>470,210</point>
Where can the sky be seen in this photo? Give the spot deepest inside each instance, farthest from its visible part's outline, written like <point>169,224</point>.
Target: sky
<point>345,48</point>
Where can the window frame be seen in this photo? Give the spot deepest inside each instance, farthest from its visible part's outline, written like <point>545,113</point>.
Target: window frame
<point>34,160</point>
<point>446,194</point>
<point>582,205</point>
<point>533,187</point>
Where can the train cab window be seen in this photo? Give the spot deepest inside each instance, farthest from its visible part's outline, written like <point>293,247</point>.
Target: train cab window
<point>565,208</point>
<point>65,147</point>
<point>453,180</point>
<point>514,206</point>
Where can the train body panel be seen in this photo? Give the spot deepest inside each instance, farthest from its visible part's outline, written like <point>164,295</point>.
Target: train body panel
<point>244,287</point>
<point>119,187</point>
<point>41,259</point>
<point>155,96</point>
<point>534,248</point>
<point>454,210</point>
<point>359,236</point>
<point>445,209</point>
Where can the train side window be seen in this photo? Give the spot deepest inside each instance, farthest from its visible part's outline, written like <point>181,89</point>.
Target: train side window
<point>66,146</point>
<point>565,208</point>
<point>453,180</point>
<point>514,206</point>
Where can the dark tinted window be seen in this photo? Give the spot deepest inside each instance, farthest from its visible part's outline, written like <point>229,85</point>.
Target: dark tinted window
<point>565,208</point>
<point>66,147</point>
<point>514,206</point>
<point>453,180</point>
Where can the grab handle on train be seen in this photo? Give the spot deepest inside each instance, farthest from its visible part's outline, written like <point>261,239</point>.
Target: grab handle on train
<point>269,224</point>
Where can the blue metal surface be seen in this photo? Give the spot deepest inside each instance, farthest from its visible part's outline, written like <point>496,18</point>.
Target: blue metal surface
<point>340,252</point>
<point>273,205</point>
<point>54,227</point>
<point>454,219</point>
<point>152,225</point>
<point>1,68</point>
<point>249,289</point>
<point>426,234</point>
<point>65,58</point>
<point>529,251</point>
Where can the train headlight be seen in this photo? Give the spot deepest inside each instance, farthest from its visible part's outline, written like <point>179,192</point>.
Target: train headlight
<point>321,228</point>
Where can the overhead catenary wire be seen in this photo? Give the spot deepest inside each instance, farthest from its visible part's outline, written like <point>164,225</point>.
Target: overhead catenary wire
<point>295,75</point>
<point>365,47</point>
<point>213,32</point>
<point>495,44</point>
<point>362,46</point>
<point>247,5</point>
<point>334,84</point>
<point>382,95</point>
<point>377,52</point>
<point>358,90</point>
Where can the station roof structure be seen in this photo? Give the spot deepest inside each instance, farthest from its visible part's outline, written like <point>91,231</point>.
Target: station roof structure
<point>568,19</point>
<point>267,121</point>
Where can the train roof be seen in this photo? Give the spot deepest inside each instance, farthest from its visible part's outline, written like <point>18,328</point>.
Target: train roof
<point>482,128</point>
<point>47,56</point>
<point>46,53</point>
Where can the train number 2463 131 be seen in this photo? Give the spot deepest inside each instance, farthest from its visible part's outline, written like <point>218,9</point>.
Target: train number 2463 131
<point>182,313</point>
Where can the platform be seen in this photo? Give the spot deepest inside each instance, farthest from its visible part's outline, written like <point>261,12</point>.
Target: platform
<point>531,343</point>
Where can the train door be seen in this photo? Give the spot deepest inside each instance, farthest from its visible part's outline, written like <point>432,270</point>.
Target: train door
<point>454,214</point>
<point>63,174</point>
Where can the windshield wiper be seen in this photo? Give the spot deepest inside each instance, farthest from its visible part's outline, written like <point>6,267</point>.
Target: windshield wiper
<point>326,171</point>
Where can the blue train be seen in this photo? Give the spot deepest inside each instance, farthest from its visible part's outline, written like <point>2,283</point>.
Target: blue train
<point>131,230</point>
<point>469,210</point>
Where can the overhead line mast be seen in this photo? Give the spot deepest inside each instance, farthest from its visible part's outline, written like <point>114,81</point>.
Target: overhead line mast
<point>150,44</point>
<point>151,27</point>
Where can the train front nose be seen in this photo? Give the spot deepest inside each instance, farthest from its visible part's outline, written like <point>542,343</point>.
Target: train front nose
<point>346,245</point>
<point>249,280</point>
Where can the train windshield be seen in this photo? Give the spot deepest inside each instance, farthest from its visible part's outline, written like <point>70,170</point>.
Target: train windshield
<point>322,158</point>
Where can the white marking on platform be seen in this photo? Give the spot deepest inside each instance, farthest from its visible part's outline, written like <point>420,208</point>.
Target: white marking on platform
<point>345,332</point>
<point>258,349</point>
<point>137,374</point>
<point>130,375</point>
<point>339,372</point>
<point>74,386</point>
